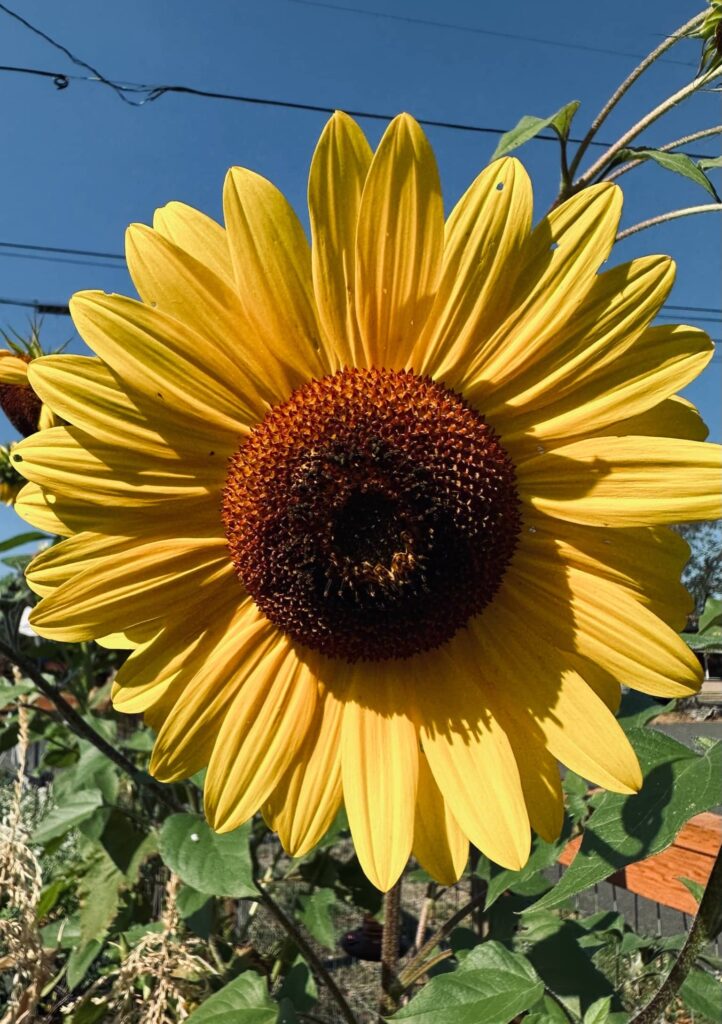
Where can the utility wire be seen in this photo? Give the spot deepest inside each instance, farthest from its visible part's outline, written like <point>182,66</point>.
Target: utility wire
<point>154,92</point>
<point>63,49</point>
<point>474,30</point>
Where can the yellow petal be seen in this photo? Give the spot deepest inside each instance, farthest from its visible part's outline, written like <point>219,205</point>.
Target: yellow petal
<point>599,620</point>
<point>483,243</point>
<point>471,757</point>
<point>439,845</point>
<point>58,564</point>
<point>675,417</point>
<point>533,683</point>
<point>647,560</point>
<point>626,481</point>
<point>167,277</point>
<point>603,683</point>
<point>66,514</point>
<point>187,696</point>
<point>662,361</point>
<point>166,361</point>
<point>398,244</point>
<point>32,505</point>
<point>160,578</point>
<point>379,759</point>
<point>116,642</point>
<point>259,737</point>
<point>338,172</point>
<point>199,235</point>
<point>67,459</point>
<point>88,395</point>
<point>305,802</point>
<point>619,305</point>
<point>13,369</point>
<point>272,267</point>
<point>557,271</point>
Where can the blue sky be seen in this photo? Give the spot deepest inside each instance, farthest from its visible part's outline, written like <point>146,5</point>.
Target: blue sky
<point>79,165</point>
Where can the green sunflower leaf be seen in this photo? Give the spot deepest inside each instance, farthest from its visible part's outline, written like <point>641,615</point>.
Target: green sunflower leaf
<point>22,538</point>
<point>678,783</point>
<point>68,814</point>
<point>245,1000</point>
<point>315,913</point>
<point>79,961</point>
<point>702,994</point>
<point>543,855</point>
<point>491,986</point>
<point>529,127</point>
<point>678,163</point>
<point>712,614</point>
<point>555,947</point>
<point>219,865</point>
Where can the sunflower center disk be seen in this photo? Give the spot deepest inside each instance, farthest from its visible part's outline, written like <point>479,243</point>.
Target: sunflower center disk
<point>371,514</point>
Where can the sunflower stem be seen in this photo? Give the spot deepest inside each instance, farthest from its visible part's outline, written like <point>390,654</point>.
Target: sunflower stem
<point>662,218</point>
<point>662,108</point>
<point>82,729</point>
<point>628,83</point>
<point>390,949</point>
<point>705,928</point>
<point>309,955</point>
<point>685,140</point>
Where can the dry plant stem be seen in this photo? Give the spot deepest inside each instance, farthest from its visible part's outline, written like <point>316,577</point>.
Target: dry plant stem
<point>685,140</point>
<point>636,129</point>
<point>314,962</point>
<point>628,83</point>
<point>80,727</point>
<point>688,211</point>
<point>390,948</point>
<point>410,972</point>
<point>705,928</point>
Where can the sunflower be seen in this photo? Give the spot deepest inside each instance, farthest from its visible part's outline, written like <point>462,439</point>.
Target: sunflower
<point>21,406</point>
<point>18,400</point>
<point>382,518</point>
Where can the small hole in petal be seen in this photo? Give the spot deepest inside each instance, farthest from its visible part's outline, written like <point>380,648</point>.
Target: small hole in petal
<point>499,186</point>
<point>17,458</point>
<point>554,245</point>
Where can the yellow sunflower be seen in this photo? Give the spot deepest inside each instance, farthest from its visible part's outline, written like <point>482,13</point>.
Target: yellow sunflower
<point>22,407</point>
<point>382,517</point>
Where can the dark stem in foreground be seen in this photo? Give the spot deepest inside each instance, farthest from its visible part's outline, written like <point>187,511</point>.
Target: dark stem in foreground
<point>705,928</point>
<point>390,949</point>
<point>411,972</point>
<point>81,728</point>
<point>309,955</point>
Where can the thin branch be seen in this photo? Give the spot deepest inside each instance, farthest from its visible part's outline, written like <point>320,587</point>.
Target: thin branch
<point>439,935</point>
<point>599,165</point>
<point>705,928</point>
<point>702,134</point>
<point>304,946</point>
<point>662,218</point>
<point>628,83</point>
<point>81,728</point>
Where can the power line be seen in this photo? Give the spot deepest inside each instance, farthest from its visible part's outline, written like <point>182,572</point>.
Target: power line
<point>62,249</point>
<point>59,259</point>
<point>154,92</point>
<point>63,49</point>
<point>474,30</point>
